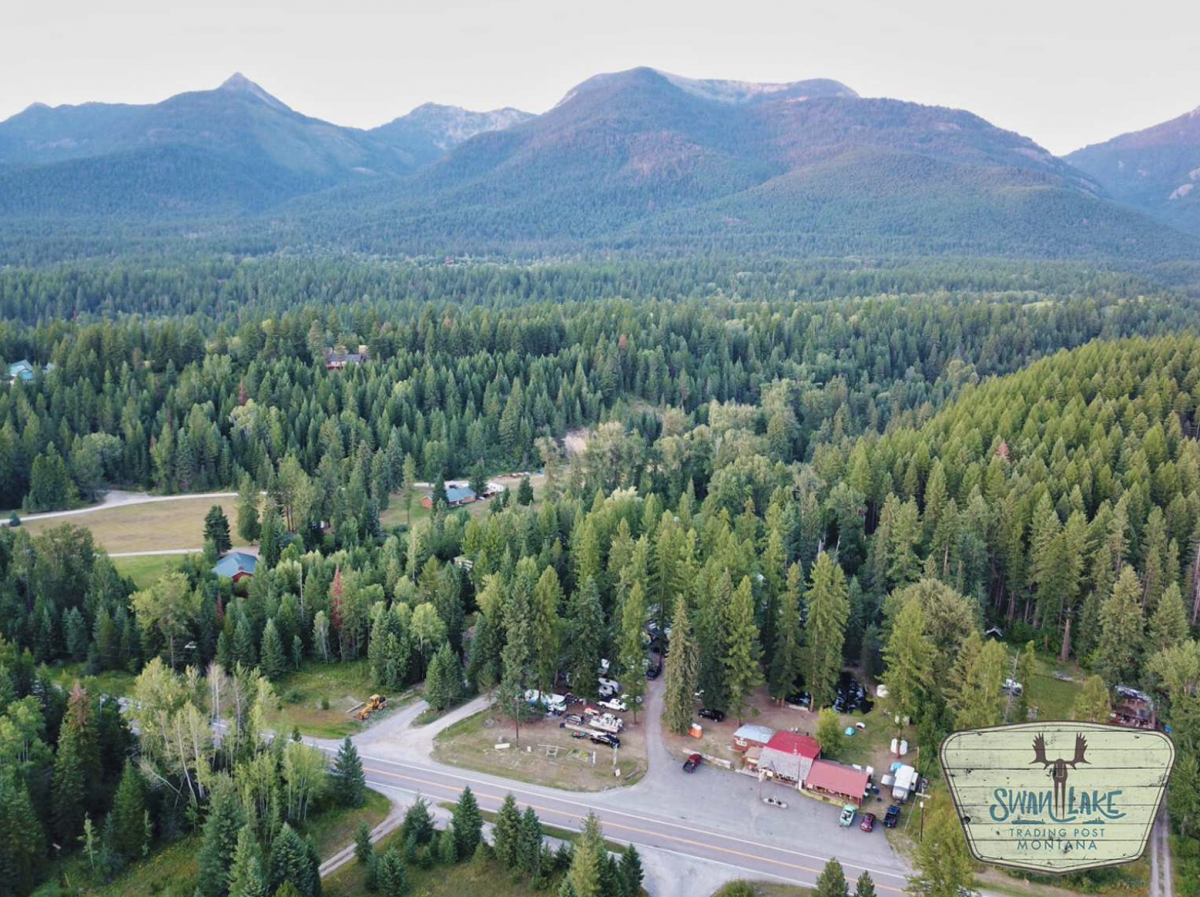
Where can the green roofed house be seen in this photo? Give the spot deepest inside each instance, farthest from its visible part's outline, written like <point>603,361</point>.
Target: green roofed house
<point>456,496</point>
<point>23,370</point>
<point>236,565</point>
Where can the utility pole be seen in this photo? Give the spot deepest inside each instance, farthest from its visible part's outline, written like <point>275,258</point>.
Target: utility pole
<point>921,835</point>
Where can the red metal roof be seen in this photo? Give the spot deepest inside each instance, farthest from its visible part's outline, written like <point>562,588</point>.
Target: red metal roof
<point>836,778</point>
<point>795,743</point>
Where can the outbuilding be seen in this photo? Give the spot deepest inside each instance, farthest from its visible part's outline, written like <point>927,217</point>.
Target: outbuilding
<point>750,735</point>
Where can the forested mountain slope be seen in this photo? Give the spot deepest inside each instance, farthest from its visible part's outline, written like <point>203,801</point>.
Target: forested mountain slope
<point>1156,169</point>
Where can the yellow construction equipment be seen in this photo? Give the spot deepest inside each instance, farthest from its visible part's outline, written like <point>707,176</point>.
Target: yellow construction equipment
<point>374,703</point>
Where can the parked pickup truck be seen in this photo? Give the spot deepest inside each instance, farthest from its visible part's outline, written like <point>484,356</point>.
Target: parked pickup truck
<point>615,704</point>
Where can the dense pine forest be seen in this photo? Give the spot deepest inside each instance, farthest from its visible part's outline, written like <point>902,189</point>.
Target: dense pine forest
<point>788,471</point>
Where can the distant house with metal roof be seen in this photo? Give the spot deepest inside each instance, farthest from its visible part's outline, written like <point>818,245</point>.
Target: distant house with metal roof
<point>236,565</point>
<point>23,370</point>
<point>456,496</point>
<point>336,361</point>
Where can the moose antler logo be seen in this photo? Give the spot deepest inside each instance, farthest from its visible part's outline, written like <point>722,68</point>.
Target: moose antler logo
<point>1059,773</point>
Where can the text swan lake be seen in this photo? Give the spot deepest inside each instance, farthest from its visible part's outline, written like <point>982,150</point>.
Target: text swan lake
<point>1039,806</point>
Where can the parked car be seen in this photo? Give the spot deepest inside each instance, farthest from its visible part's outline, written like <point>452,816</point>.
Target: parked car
<point>574,719</point>
<point>868,822</point>
<point>715,715</point>
<point>892,816</point>
<point>653,671</point>
<point>606,738</point>
<point>847,818</point>
<point>615,704</point>
<point>801,701</point>
<point>1012,687</point>
<point>690,764</point>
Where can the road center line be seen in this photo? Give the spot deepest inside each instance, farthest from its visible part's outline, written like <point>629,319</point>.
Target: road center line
<point>700,844</point>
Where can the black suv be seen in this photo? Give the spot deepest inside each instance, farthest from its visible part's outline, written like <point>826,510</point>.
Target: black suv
<point>652,671</point>
<point>892,816</point>
<point>605,738</point>
<point>715,715</point>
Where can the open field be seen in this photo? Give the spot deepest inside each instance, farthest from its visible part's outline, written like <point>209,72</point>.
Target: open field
<point>117,683</point>
<point>335,827</point>
<point>318,698</point>
<point>146,569</point>
<point>395,514</point>
<point>545,755</point>
<point>155,526</point>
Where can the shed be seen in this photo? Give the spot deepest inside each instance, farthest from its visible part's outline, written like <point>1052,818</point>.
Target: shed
<point>751,735</point>
<point>835,782</point>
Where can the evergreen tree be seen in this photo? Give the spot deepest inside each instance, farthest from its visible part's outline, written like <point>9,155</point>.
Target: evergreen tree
<point>218,845</point>
<point>247,511</point>
<point>631,652</point>
<point>274,661</point>
<point>529,843</point>
<point>944,867</point>
<point>364,853</point>
<point>392,876</point>
<point>347,779</point>
<point>22,839</point>
<point>1026,668</point>
<point>828,612</point>
<point>631,872</point>
<point>506,833</point>
<point>742,671</point>
<point>289,862</point>
<point>1121,630</point>
<point>271,534</point>
<point>216,529</point>
<point>447,848</point>
<point>832,881</point>
<point>525,492</point>
<point>246,877</point>
<point>468,823</point>
<point>787,663</point>
<point>585,623</point>
<point>587,865</point>
<point>909,656</point>
<point>1169,623</point>
<point>865,887</point>
<point>129,808</point>
<point>418,823</point>
<point>681,673</point>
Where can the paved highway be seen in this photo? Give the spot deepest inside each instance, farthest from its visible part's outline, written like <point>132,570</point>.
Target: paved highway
<point>757,857</point>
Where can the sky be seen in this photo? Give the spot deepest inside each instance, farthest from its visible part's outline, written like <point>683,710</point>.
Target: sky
<point>1064,72</point>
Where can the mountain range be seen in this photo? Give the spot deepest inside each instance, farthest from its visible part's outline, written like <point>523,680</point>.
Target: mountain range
<point>638,160</point>
<point>1156,169</point>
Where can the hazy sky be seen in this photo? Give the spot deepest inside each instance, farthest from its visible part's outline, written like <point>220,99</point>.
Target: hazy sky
<point>1064,72</point>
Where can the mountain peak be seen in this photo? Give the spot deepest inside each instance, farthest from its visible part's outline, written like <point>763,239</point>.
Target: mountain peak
<point>715,90</point>
<point>239,83</point>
